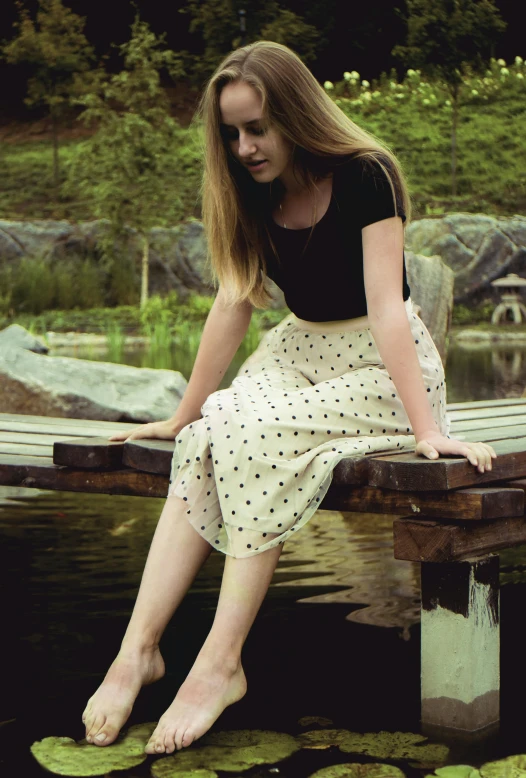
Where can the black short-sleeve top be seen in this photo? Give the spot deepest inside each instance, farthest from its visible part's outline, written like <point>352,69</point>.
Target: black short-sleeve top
<point>325,282</point>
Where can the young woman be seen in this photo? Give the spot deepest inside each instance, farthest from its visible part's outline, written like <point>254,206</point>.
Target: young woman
<point>295,191</point>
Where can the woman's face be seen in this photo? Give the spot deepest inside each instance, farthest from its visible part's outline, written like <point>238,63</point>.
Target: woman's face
<point>248,139</point>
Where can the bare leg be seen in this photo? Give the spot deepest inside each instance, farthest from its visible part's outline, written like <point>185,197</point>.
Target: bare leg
<point>176,554</point>
<point>216,679</point>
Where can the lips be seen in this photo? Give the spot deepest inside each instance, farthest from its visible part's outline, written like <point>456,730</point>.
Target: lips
<point>255,162</point>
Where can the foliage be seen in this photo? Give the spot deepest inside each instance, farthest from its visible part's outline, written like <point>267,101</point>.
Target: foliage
<point>464,315</point>
<point>383,745</point>
<point>455,771</point>
<point>443,38</point>
<point>358,771</point>
<point>129,168</point>
<point>413,116</point>
<point>218,23</point>
<point>58,56</point>
<point>63,756</point>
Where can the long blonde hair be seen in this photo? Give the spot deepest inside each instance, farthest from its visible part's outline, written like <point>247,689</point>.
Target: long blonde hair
<point>233,204</point>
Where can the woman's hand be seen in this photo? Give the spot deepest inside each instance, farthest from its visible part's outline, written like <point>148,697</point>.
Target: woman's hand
<point>432,444</point>
<point>161,430</point>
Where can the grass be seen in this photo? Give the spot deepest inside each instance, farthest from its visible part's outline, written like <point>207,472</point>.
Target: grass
<point>491,148</point>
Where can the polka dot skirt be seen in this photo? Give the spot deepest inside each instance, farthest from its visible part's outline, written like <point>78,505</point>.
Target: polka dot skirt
<point>256,466</point>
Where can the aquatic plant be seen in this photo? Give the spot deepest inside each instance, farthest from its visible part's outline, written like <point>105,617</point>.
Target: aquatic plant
<point>234,751</point>
<point>64,756</point>
<point>381,745</point>
<point>359,771</point>
<point>455,771</point>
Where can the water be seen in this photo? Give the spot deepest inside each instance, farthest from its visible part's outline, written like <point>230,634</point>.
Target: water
<point>337,635</point>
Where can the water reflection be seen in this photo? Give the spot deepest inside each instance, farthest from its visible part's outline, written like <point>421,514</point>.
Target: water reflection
<point>485,371</point>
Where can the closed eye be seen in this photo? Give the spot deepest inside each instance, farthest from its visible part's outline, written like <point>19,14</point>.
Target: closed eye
<point>233,134</point>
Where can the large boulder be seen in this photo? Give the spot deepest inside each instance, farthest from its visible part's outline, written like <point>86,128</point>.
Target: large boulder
<point>177,254</point>
<point>75,388</point>
<point>476,247</point>
<point>15,335</point>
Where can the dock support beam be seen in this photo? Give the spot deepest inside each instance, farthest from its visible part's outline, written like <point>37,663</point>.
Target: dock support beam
<point>460,645</point>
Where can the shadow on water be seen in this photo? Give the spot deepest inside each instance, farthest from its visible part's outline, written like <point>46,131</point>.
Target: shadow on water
<point>337,636</point>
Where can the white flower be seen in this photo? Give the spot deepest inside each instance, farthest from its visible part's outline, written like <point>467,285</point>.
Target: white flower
<point>474,92</point>
<point>393,84</point>
<point>328,85</point>
<point>519,75</point>
<point>504,71</point>
<point>366,84</point>
<point>501,62</point>
<point>519,60</point>
<point>355,74</point>
<point>347,76</point>
<point>411,72</point>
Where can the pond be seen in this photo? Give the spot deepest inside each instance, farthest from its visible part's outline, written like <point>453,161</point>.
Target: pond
<point>337,636</point>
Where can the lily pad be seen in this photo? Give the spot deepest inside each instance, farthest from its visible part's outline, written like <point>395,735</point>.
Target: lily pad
<point>171,770</point>
<point>359,771</point>
<point>456,771</point>
<point>323,738</point>
<point>308,721</point>
<point>64,756</point>
<point>511,767</point>
<point>234,751</point>
<point>395,745</point>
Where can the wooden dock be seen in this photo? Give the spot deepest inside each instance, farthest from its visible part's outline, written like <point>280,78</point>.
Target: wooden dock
<point>452,519</point>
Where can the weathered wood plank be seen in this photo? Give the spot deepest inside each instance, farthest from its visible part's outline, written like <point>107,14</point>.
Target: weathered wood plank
<point>152,456</point>
<point>30,451</point>
<point>462,504</point>
<point>460,645</point>
<point>486,403</point>
<point>491,434</point>
<point>89,453</point>
<point>433,541</point>
<point>64,429</point>
<point>58,420</point>
<point>471,425</point>
<point>42,473</point>
<point>412,473</point>
<point>30,439</point>
<point>486,413</point>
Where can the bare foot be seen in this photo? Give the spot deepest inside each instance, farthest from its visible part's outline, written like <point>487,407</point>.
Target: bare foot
<point>207,691</point>
<point>112,703</point>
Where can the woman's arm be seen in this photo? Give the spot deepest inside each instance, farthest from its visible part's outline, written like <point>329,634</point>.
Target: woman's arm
<point>224,329</point>
<point>383,268</point>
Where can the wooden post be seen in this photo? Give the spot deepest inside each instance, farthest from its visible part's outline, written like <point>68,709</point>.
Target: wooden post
<point>460,644</point>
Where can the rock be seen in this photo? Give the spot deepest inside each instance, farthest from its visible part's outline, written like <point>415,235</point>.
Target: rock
<point>478,248</point>
<point>18,336</point>
<point>75,388</point>
<point>431,283</point>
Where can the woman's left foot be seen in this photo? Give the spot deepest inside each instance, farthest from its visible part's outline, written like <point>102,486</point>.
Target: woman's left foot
<point>206,692</point>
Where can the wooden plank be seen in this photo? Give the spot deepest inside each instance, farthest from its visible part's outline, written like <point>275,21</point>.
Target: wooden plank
<point>90,453</point>
<point>486,413</point>
<point>42,473</point>
<point>151,456</point>
<point>486,403</point>
<point>66,429</point>
<point>434,541</point>
<point>508,422</point>
<point>491,434</point>
<point>30,439</point>
<point>53,420</point>
<point>409,472</point>
<point>462,504</point>
<point>31,451</point>
<point>460,645</point>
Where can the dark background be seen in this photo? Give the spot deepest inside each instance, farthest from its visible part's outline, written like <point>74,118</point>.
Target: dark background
<point>356,35</point>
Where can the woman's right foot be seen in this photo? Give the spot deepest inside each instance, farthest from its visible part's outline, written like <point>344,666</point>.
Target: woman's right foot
<point>109,708</point>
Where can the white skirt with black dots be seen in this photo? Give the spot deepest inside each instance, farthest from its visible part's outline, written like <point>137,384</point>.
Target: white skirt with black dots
<point>257,465</point>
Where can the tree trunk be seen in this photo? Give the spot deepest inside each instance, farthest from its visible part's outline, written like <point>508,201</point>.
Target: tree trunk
<point>144,274</point>
<point>54,133</point>
<point>454,124</point>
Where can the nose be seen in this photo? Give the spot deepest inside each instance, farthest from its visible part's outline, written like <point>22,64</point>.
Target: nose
<point>246,145</point>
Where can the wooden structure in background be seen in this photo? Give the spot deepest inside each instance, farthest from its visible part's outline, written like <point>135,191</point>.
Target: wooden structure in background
<point>452,519</point>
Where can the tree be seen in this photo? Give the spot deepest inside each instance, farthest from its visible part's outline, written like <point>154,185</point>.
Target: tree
<point>445,36</point>
<point>58,53</point>
<point>218,22</point>
<point>128,168</point>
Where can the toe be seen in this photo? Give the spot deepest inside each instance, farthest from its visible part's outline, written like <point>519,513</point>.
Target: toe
<point>187,738</point>
<point>97,724</point>
<point>169,742</point>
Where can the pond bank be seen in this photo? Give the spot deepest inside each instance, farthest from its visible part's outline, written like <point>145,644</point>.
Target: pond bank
<point>512,334</point>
